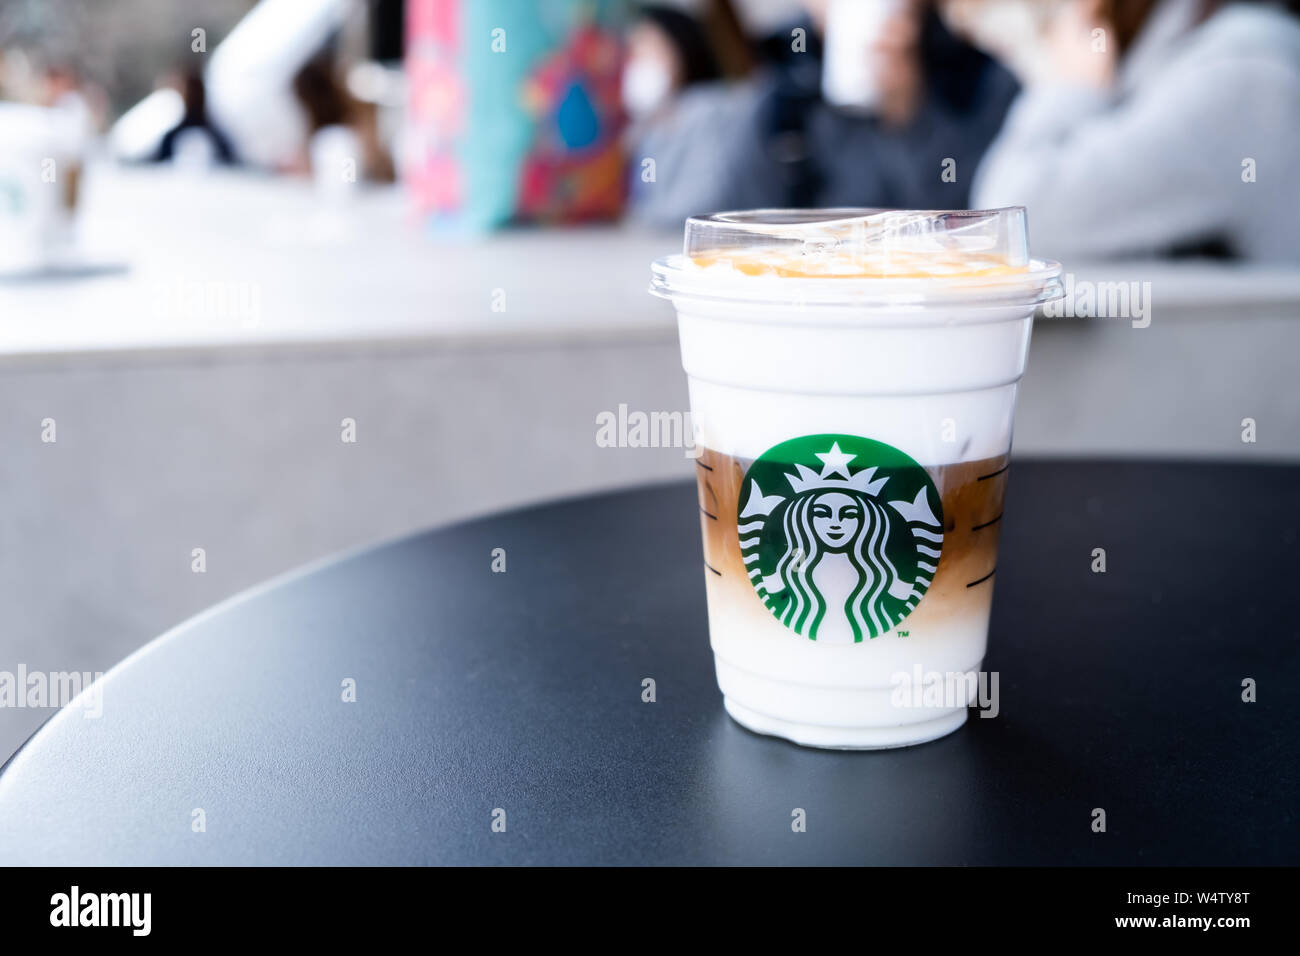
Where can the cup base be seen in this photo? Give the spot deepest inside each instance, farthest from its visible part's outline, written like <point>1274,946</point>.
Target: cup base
<point>846,738</point>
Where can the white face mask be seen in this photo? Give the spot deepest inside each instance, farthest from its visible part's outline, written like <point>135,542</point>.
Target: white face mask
<point>646,86</point>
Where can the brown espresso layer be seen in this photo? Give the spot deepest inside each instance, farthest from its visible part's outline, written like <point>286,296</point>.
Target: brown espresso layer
<point>972,494</point>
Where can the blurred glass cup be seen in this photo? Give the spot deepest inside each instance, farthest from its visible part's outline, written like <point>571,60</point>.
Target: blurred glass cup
<point>41,151</point>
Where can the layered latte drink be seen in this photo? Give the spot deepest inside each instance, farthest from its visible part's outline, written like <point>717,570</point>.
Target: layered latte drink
<point>853,380</point>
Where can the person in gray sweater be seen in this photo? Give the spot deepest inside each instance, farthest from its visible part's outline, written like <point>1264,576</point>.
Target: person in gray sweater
<point>774,141</point>
<point>1183,137</point>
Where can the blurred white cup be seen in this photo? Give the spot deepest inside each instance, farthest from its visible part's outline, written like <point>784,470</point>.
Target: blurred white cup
<point>336,159</point>
<point>40,154</point>
<point>848,67</point>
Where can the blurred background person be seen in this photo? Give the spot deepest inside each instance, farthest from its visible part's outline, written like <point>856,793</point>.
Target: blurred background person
<point>195,132</point>
<point>687,122</point>
<point>46,134</point>
<point>935,103</point>
<point>897,111</point>
<point>340,128</point>
<point>1147,127</point>
<point>251,77</point>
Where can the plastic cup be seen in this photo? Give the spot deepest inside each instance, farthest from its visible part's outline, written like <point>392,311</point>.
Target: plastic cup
<point>40,155</point>
<point>853,379</point>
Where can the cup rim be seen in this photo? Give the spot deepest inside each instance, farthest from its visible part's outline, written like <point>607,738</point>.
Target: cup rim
<point>675,278</point>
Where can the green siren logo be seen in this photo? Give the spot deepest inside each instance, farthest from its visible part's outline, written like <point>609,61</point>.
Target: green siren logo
<point>841,535</point>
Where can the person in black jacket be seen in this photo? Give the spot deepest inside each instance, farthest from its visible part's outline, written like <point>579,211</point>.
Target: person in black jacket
<point>942,102</point>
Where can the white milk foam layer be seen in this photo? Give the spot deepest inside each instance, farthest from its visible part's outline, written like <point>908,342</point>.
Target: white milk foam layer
<point>942,393</point>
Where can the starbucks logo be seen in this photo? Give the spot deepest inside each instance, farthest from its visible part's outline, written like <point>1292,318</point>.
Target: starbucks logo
<point>841,535</point>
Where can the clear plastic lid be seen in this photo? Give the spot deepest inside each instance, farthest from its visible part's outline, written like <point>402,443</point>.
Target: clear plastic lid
<point>872,255</point>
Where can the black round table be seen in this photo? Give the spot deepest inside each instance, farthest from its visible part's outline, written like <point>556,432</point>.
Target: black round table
<point>478,691</point>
